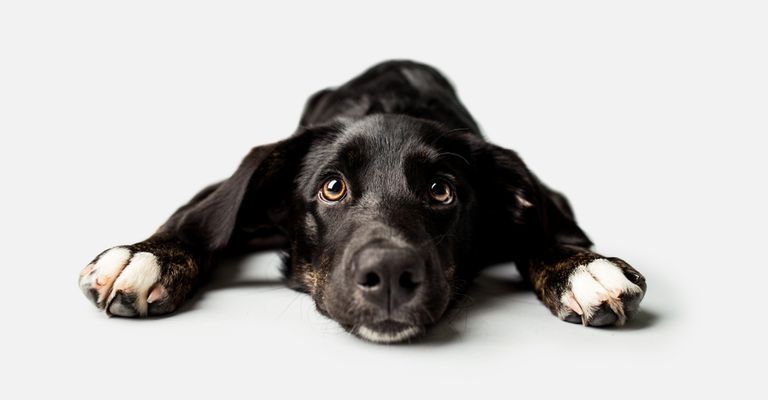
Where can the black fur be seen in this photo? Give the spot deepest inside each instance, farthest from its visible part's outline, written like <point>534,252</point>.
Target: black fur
<point>389,134</point>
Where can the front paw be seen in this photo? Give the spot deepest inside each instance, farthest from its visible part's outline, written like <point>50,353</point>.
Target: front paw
<point>602,292</point>
<point>139,280</point>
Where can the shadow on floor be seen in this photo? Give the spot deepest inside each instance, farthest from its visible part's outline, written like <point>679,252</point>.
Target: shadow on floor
<point>235,272</point>
<point>496,287</point>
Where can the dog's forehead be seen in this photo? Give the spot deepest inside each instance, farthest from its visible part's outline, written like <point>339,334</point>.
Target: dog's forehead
<point>384,142</point>
<point>376,145</point>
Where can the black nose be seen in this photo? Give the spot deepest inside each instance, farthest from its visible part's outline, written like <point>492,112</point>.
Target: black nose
<point>388,277</point>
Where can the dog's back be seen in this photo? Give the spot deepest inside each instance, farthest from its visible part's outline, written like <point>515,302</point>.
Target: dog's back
<point>393,87</point>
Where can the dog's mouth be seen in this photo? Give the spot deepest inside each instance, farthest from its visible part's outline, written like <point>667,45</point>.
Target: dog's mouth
<point>388,332</point>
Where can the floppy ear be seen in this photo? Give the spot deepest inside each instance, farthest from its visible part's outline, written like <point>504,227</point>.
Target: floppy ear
<point>514,206</point>
<point>256,195</point>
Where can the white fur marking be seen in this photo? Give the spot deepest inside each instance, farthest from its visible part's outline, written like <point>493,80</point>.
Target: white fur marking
<point>382,337</point>
<point>523,201</point>
<point>596,283</point>
<point>588,292</point>
<point>138,277</point>
<point>105,271</point>
<point>612,278</point>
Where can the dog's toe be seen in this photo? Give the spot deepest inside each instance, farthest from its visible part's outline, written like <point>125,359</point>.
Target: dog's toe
<point>123,305</point>
<point>97,278</point>
<point>132,288</point>
<point>603,316</point>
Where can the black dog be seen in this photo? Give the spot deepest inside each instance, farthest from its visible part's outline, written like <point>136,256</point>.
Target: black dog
<point>387,202</point>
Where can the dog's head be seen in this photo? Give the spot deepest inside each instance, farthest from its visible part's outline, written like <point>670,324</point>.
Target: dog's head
<point>385,221</point>
<point>386,217</point>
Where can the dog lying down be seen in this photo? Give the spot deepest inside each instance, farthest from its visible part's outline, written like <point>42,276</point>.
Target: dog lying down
<point>387,202</point>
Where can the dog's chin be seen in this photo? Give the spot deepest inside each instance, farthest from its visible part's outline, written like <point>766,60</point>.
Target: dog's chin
<point>388,332</point>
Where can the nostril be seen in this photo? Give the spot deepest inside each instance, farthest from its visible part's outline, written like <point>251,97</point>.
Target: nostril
<point>370,280</point>
<point>407,281</point>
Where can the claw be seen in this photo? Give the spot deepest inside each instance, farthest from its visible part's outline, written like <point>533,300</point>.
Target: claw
<point>157,294</point>
<point>573,304</point>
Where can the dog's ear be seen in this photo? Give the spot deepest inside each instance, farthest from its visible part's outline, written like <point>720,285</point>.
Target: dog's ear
<point>513,203</point>
<point>255,198</point>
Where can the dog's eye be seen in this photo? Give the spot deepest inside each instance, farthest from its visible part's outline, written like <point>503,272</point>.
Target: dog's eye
<point>441,192</point>
<point>333,190</point>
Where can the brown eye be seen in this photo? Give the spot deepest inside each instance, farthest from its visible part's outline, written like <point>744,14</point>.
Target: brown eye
<point>333,190</point>
<point>441,192</point>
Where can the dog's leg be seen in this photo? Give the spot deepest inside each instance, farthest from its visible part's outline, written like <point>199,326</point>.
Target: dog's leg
<point>581,286</point>
<point>526,222</point>
<point>575,283</point>
<point>156,275</point>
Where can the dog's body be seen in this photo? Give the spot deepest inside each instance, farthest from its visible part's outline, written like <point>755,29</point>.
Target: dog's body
<point>387,202</point>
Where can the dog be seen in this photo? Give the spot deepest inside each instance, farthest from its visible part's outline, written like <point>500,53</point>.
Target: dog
<point>386,202</point>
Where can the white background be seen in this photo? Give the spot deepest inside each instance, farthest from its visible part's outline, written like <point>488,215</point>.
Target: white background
<point>650,116</point>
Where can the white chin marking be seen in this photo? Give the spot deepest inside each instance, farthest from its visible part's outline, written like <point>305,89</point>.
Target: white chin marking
<point>386,337</point>
<point>596,283</point>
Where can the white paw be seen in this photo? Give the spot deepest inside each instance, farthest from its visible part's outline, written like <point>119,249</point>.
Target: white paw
<point>123,283</point>
<point>600,294</point>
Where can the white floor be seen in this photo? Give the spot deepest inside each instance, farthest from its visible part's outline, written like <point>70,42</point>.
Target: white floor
<point>650,118</point>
